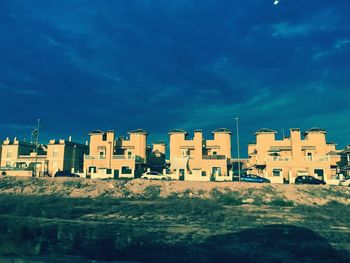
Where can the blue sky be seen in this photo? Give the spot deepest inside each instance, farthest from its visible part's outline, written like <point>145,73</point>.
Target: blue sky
<point>163,64</point>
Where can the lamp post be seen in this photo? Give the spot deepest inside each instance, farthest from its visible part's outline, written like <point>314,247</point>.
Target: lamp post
<point>110,155</point>
<point>36,148</point>
<point>238,156</point>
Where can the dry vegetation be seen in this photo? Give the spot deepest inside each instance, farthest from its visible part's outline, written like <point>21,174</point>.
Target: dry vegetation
<point>148,221</point>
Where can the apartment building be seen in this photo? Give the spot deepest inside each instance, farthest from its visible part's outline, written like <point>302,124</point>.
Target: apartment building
<point>116,157</point>
<point>299,154</point>
<point>156,157</point>
<point>22,158</point>
<point>345,162</point>
<point>198,159</point>
<point>65,155</point>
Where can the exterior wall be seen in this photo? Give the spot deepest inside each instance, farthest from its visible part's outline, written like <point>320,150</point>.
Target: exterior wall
<point>11,150</point>
<point>160,147</point>
<point>58,155</point>
<point>111,158</point>
<point>293,156</point>
<point>65,156</point>
<point>205,160</point>
<point>156,157</point>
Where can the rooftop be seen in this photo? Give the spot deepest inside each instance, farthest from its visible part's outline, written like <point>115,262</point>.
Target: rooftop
<point>141,131</point>
<point>315,129</point>
<point>178,131</point>
<point>265,130</point>
<point>222,130</point>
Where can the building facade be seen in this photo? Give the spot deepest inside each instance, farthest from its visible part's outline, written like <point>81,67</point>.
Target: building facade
<point>111,157</point>
<point>156,157</point>
<point>198,159</point>
<point>345,162</point>
<point>24,158</point>
<point>300,154</point>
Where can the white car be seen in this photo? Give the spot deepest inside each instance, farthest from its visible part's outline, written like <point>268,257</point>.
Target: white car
<point>155,176</point>
<point>345,182</point>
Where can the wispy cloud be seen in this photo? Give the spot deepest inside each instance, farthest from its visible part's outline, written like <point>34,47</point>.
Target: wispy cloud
<point>285,29</point>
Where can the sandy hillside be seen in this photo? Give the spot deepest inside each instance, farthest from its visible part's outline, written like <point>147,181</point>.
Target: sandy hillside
<point>82,188</point>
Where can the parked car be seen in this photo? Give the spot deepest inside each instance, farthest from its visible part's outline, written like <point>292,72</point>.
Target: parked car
<point>65,174</point>
<point>307,179</point>
<point>155,176</point>
<point>251,178</point>
<point>345,181</point>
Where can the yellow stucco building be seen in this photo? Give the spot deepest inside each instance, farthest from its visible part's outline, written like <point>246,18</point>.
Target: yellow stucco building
<point>19,157</point>
<point>198,159</point>
<point>111,157</point>
<point>299,154</point>
<point>345,161</point>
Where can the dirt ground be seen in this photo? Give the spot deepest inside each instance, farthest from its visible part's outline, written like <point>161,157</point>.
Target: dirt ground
<point>83,188</point>
<point>81,220</point>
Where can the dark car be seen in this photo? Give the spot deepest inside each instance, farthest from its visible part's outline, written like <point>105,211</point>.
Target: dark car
<point>307,179</point>
<point>65,174</point>
<point>251,178</point>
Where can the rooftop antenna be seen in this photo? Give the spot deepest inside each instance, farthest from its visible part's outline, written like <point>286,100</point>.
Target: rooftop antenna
<point>36,134</point>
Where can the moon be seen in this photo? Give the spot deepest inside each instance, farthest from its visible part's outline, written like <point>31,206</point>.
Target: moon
<point>276,2</point>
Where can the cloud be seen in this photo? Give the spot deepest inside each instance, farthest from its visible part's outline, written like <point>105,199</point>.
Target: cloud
<point>286,30</point>
<point>160,65</point>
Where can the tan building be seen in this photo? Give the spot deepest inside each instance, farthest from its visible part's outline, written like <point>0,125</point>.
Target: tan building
<point>20,157</point>
<point>345,162</point>
<point>156,157</point>
<point>283,160</point>
<point>198,159</point>
<point>63,155</point>
<point>111,157</point>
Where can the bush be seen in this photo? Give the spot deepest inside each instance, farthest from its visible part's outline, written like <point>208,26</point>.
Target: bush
<point>152,192</point>
<point>281,202</point>
<point>226,198</point>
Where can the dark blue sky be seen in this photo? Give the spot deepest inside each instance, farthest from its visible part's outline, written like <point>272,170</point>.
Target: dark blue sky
<point>81,65</point>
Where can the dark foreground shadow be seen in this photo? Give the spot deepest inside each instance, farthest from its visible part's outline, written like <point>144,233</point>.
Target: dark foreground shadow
<point>271,243</point>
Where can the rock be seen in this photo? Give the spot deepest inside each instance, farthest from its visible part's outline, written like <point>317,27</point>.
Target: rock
<point>248,201</point>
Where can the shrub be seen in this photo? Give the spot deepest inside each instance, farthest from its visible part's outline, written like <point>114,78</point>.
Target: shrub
<point>281,202</point>
<point>226,198</point>
<point>152,192</point>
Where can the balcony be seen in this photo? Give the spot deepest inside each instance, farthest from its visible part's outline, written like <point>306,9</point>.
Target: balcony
<point>279,159</point>
<point>317,159</point>
<point>137,159</point>
<point>123,157</point>
<point>214,157</point>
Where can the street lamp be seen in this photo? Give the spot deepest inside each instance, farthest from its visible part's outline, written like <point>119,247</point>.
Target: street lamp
<point>110,155</point>
<point>238,157</point>
<point>36,133</point>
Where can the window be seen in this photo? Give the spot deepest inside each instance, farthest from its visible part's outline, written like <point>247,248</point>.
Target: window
<point>92,169</point>
<point>216,170</point>
<point>215,153</point>
<point>104,137</point>
<point>319,172</point>
<point>185,152</point>
<point>8,164</point>
<point>102,153</point>
<point>309,156</point>
<point>276,172</point>
<point>126,170</point>
<point>55,152</point>
<point>129,155</point>
<point>204,173</point>
<point>9,153</point>
<point>109,171</point>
